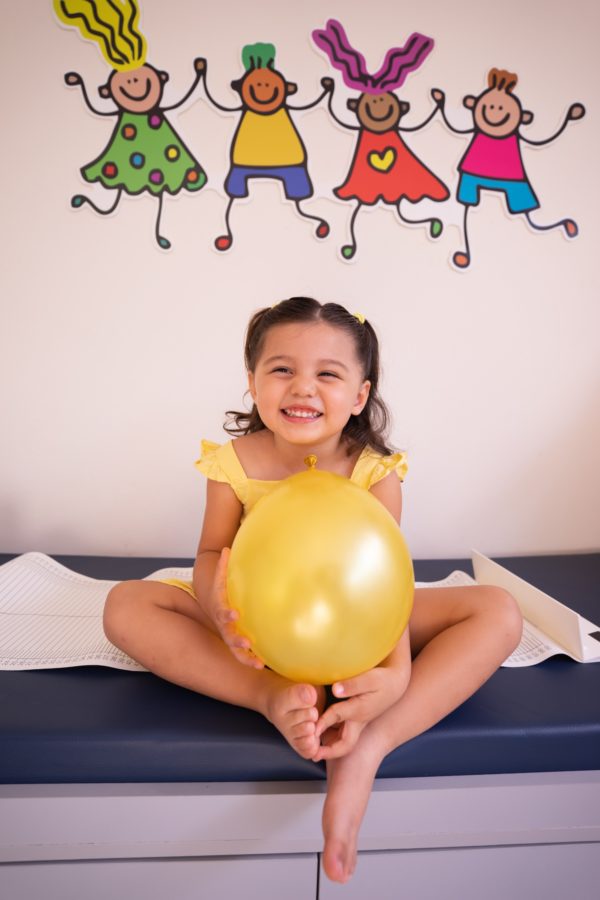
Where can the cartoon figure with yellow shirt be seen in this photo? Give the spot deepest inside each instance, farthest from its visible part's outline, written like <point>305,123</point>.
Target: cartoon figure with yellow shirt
<point>266,143</point>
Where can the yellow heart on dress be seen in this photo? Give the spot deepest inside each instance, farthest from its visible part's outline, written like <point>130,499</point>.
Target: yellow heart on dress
<point>383,162</point>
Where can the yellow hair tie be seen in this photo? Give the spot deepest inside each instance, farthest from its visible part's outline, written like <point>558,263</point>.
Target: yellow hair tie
<point>360,317</point>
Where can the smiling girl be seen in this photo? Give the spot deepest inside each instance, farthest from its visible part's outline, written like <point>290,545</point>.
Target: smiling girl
<point>313,373</point>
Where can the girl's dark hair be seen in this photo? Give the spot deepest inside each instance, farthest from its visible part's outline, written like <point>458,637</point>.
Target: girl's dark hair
<point>369,428</point>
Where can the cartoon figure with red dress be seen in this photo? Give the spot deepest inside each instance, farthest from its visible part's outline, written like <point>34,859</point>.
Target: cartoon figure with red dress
<point>144,152</point>
<point>493,160</point>
<point>266,143</point>
<point>383,167</point>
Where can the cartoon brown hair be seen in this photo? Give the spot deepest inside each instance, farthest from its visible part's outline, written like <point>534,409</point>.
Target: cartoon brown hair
<point>502,80</point>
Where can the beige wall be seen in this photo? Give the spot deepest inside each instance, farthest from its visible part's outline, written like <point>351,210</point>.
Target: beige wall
<point>117,358</point>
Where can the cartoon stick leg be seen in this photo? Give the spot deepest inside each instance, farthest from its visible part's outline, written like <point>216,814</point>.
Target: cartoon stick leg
<point>383,167</point>
<point>266,143</point>
<point>144,152</point>
<point>493,160</point>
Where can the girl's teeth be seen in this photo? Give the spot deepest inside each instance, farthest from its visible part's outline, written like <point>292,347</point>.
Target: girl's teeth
<point>301,415</point>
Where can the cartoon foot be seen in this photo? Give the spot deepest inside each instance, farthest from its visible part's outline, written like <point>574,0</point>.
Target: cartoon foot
<point>224,242</point>
<point>78,200</point>
<point>348,251</point>
<point>461,260</point>
<point>322,230</point>
<point>435,228</point>
<point>294,710</point>
<point>571,229</point>
<point>162,242</point>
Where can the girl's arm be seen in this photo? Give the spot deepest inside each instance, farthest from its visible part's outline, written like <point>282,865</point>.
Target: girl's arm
<point>221,522</point>
<point>371,693</point>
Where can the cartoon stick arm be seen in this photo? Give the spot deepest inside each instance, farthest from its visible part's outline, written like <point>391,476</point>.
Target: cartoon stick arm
<point>327,85</point>
<point>575,111</point>
<point>74,79</point>
<point>214,102</point>
<point>200,69</point>
<point>425,121</point>
<point>440,99</point>
<point>332,112</point>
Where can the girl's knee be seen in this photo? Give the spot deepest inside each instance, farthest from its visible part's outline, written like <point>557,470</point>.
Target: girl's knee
<point>504,610</point>
<point>119,609</point>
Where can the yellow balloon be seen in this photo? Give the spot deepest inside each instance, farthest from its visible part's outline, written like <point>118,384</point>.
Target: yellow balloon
<point>321,577</point>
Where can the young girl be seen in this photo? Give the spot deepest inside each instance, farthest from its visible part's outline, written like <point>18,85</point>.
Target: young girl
<point>313,375</point>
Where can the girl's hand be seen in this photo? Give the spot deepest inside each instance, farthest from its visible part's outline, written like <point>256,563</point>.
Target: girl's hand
<point>339,740</point>
<point>369,695</point>
<point>225,617</point>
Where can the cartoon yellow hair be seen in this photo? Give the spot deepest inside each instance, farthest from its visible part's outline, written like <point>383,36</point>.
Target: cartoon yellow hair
<point>112,24</point>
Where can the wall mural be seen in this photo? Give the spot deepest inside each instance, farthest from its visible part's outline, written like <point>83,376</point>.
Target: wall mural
<point>492,161</point>
<point>145,152</point>
<point>383,167</point>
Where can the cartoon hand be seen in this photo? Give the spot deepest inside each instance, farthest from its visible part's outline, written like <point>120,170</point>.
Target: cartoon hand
<point>73,78</point>
<point>225,617</point>
<point>438,96</point>
<point>328,84</point>
<point>200,64</point>
<point>576,111</point>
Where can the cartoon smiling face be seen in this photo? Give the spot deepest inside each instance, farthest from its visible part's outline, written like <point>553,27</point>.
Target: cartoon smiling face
<point>263,90</point>
<point>379,112</point>
<point>497,113</point>
<point>137,90</point>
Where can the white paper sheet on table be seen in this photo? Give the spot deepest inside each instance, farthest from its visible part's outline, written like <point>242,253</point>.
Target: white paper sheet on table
<point>51,617</point>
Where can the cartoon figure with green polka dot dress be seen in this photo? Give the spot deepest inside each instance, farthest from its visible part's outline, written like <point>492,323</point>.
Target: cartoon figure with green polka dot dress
<point>383,167</point>
<point>144,152</point>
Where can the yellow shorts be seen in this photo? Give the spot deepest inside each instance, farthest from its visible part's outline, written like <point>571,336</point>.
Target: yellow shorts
<point>186,586</point>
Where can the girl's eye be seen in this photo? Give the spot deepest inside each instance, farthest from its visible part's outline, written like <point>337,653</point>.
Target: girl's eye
<point>328,374</point>
<point>283,369</point>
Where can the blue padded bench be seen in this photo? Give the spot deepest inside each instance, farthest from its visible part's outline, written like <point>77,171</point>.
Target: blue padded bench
<point>85,752</point>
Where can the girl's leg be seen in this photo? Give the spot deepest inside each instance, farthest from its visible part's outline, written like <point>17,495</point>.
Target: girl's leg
<point>459,637</point>
<point>165,630</point>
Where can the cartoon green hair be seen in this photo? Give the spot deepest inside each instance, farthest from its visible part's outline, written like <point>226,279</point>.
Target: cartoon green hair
<point>111,24</point>
<point>258,56</point>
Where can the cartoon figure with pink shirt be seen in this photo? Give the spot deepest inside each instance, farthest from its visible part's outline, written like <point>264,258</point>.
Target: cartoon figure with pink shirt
<point>493,158</point>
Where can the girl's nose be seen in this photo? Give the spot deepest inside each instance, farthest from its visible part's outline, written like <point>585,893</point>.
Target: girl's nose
<point>303,386</point>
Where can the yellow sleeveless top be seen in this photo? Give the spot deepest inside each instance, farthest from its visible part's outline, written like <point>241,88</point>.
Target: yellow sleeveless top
<point>219,462</point>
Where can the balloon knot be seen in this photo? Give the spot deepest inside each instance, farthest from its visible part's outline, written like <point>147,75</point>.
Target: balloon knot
<point>311,461</point>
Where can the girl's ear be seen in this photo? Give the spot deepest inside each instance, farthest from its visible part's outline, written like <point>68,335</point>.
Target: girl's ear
<point>361,399</point>
<point>251,385</point>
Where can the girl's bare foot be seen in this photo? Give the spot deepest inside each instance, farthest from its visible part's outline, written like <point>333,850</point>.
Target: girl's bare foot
<point>294,709</point>
<point>350,780</point>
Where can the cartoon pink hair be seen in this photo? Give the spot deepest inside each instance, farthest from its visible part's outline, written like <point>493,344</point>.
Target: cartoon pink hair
<point>398,62</point>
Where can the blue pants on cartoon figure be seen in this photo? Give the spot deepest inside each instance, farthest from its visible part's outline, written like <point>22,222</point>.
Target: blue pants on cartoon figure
<point>519,196</point>
<point>296,183</point>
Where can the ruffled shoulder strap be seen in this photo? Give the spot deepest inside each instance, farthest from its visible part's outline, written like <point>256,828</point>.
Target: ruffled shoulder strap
<point>219,462</point>
<point>371,467</point>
